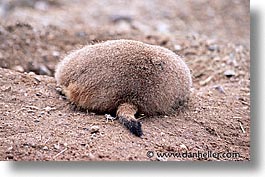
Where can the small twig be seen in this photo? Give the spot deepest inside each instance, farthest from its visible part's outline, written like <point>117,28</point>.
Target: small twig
<point>233,126</point>
<point>245,103</point>
<point>47,140</point>
<point>139,118</point>
<point>242,128</point>
<point>217,134</point>
<point>206,81</point>
<point>109,117</point>
<point>60,153</point>
<point>32,107</point>
<point>237,117</point>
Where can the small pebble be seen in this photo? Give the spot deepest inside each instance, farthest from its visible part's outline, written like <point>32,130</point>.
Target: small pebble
<point>45,148</point>
<point>219,88</point>
<point>18,68</point>
<point>31,74</point>
<point>94,129</point>
<point>36,121</point>
<point>91,156</point>
<point>33,145</point>
<point>56,146</point>
<point>86,129</point>
<point>116,18</point>
<point>213,47</point>
<point>43,70</point>
<point>37,78</point>
<point>177,47</point>
<point>229,73</point>
<point>59,90</point>
<point>38,94</point>
<point>55,53</point>
<point>26,145</point>
<point>48,108</point>
<point>183,146</point>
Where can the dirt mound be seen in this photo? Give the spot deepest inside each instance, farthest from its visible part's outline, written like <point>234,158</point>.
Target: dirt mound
<point>37,124</point>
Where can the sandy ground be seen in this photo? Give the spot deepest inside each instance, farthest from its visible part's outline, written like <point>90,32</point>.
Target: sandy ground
<point>39,124</point>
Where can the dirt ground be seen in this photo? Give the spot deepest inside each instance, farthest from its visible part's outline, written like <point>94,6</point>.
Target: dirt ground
<point>213,38</point>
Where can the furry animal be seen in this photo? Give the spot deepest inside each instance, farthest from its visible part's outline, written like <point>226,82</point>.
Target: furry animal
<point>126,77</point>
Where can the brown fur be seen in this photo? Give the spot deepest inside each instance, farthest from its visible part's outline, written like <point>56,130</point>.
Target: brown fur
<point>101,77</point>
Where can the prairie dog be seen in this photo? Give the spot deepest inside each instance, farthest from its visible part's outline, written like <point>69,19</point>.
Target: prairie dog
<point>126,77</point>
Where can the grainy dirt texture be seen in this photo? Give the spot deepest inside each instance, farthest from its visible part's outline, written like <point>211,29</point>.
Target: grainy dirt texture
<point>36,123</point>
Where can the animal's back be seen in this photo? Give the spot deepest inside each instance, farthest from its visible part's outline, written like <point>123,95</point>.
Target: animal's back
<point>101,77</point>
